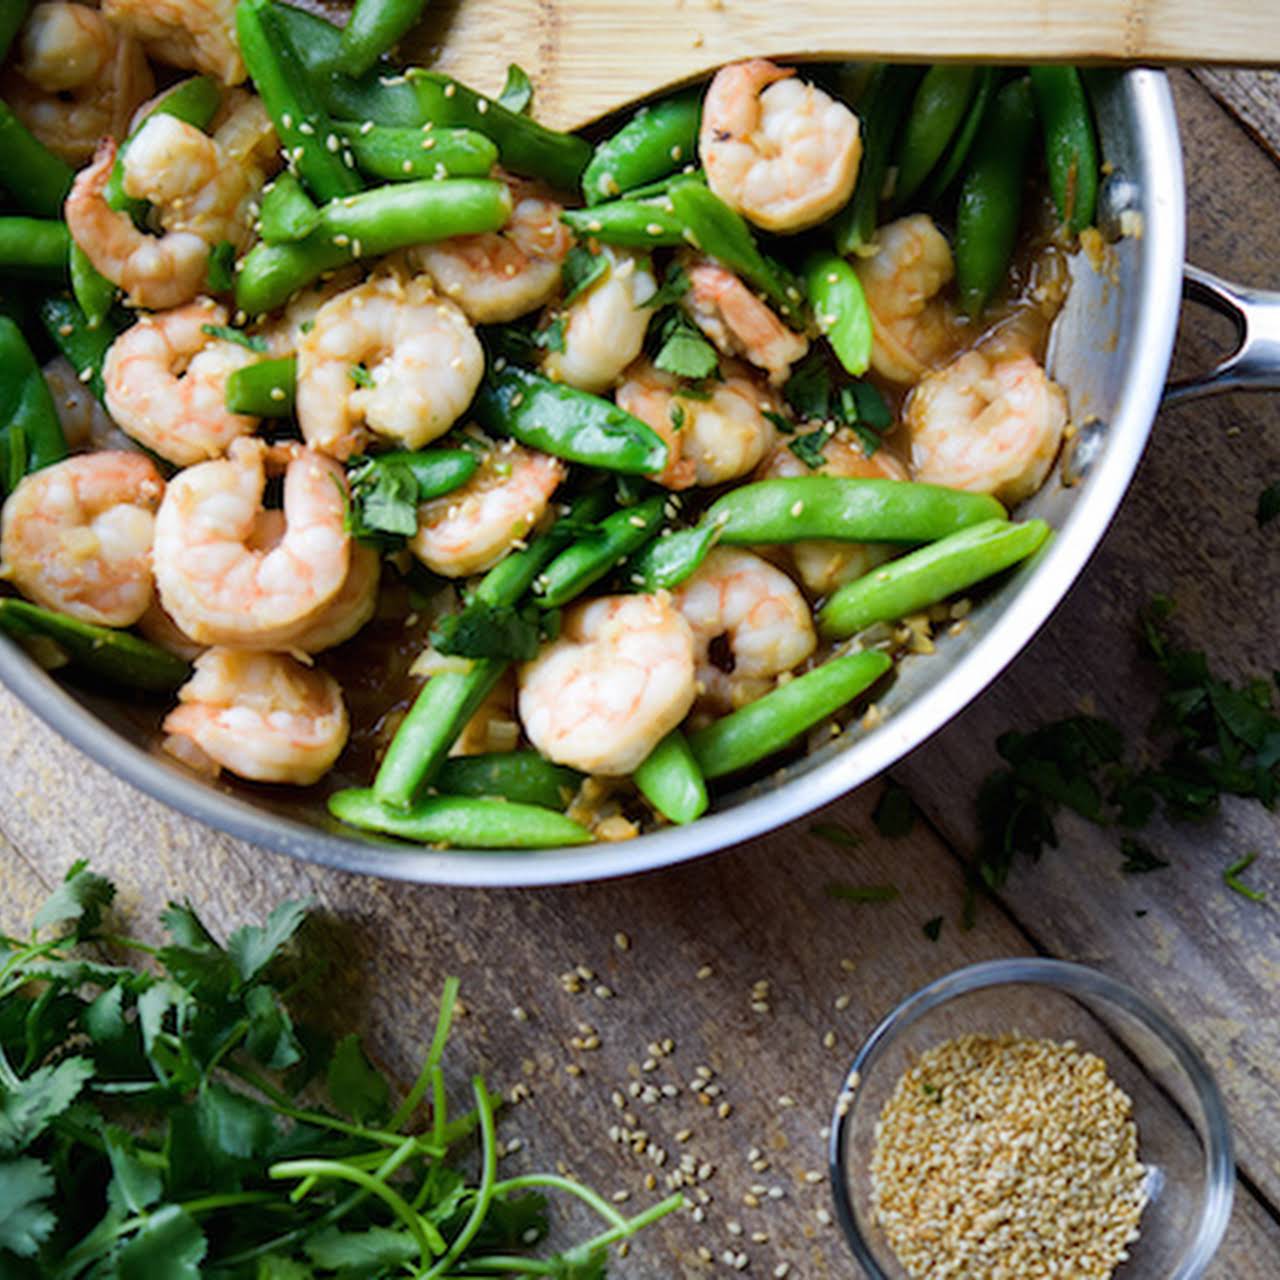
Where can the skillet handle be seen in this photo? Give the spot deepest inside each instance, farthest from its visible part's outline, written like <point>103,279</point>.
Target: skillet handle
<point>1255,363</point>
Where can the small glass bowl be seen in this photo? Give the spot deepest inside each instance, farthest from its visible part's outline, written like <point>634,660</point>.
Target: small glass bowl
<point>1184,1138</point>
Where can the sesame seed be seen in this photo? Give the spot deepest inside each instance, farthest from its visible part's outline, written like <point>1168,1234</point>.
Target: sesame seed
<point>277,393</point>
<point>366,126</point>
<point>482,105</point>
<point>653,228</point>
<point>450,89</point>
<point>333,143</point>
<point>622,942</point>
<point>704,973</point>
<point>797,508</point>
<point>842,1002</point>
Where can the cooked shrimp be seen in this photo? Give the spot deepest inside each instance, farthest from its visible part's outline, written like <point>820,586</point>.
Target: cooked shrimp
<point>987,424</point>
<point>708,440</point>
<point>156,272</point>
<point>200,34</point>
<point>497,276</point>
<point>615,683</point>
<point>156,626</point>
<point>262,716</point>
<point>785,158</point>
<point>739,323</point>
<point>824,564</point>
<point>76,536</point>
<point>215,579</point>
<point>472,528</point>
<point>350,609</point>
<point>418,361</point>
<point>750,624</point>
<point>86,425</point>
<point>76,79</point>
<point>912,325</point>
<point>166,381</point>
<point>604,327</point>
<point>204,185</point>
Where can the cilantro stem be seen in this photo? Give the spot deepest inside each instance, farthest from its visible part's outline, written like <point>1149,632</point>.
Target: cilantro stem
<point>630,1226</point>
<point>439,1107</point>
<point>366,1181</point>
<point>553,1180</point>
<point>282,1104</point>
<point>336,1214</point>
<point>444,1018</point>
<point>488,1182</point>
<point>1232,878</point>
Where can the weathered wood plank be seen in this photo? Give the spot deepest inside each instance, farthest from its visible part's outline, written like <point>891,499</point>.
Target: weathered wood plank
<point>758,913</point>
<point>1252,97</point>
<point>1188,530</point>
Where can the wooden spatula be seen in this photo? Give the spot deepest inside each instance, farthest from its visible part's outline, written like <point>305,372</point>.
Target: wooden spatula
<point>589,57</point>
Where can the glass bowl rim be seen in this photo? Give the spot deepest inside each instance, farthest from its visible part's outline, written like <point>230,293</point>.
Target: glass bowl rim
<point>1073,979</point>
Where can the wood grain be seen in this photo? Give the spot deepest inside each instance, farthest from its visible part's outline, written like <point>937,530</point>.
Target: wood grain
<point>761,911</point>
<point>589,57</point>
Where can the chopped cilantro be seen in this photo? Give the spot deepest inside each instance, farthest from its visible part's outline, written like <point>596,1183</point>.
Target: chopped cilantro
<point>491,631</point>
<point>808,389</point>
<point>581,269</point>
<point>895,812</point>
<point>1268,505</point>
<point>1231,877</point>
<point>220,270</point>
<point>253,342</point>
<point>809,447</point>
<point>932,929</point>
<point>360,375</point>
<point>779,420</point>
<point>683,350</point>
<point>552,337</point>
<point>863,892</point>
<point>517,93</point>
<point>383,506</point>
<point>1138,858</point>
<point>672,289</point>
<point>677,416</point>
<point>834,833</point>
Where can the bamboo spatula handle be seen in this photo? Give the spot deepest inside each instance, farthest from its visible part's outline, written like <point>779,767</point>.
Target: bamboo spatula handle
<point>589,57</point>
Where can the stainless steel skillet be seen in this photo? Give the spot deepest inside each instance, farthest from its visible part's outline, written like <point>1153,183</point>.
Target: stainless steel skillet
<point>1111,349</point>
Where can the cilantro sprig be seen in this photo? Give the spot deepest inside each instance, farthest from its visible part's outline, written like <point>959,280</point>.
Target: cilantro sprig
<point>163,1115</point>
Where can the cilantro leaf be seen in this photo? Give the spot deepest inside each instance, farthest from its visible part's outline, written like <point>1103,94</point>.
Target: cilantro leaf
<point>580,270</point>
<point>808,389</point>
<point>27,1106</point>
<point>170,1246</point>
<point>234,1128</point>
<point>252,947</point>
<point>270,1037</point>
<point>490,631</point>
<point>1268,505</point>
<point>82,897</point>
<point>834,833</point>
<point>252,342</point>
<point>135,1186</point>
<point>360,376</point>
<point>674,286</point>
<point>383,504</point>
<point>376,1247</point>
<point>1138,858</point>
<point>357,1090</point>
<point>551,338</point>
<point>517,92</point>
<point>273,1267</point>
<point>580,1264</point>
<point>932,929</point>
<point>809,448</point>
<point>683,350</point>
<point>26,1221</point>
<point>895,812</point>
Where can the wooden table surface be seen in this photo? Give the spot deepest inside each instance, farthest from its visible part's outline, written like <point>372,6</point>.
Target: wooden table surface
<point>702,936</point>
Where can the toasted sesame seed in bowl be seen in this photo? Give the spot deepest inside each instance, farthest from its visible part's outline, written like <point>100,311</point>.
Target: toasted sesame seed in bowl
<point>1026,1118</point>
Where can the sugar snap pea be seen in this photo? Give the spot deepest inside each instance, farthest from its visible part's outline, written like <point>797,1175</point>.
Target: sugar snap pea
<point>635,224</point>
<point>34,247</point>
<point>796,508</point>
<point>371,223</point>
<point>402,154</point>
<point>302,124</point>
<point>937,111</point>
<point>83,344</point>
<point>372,28</point>
<point>435,471</point>
<point>656,141</point>
<point>118,656</point>
<point>990,205</point>
<point>949,168</point>
<point>194,101</point>
<point>671,558</point>
<point>462,822</point>
<point>840,309</point>
<point>671,780</point>
<point>36,179</point>
<point>881,108</point>
<point>756,731</point>
<point>1071,144</point>
<point>264,389</point>
<point>723,233</point>
<point>523,776</point>
<point>91,289</point>
<point>30,433</point>
<point>568,423</point>
<point>449,700</point>
<point>590,558</point>
<point>288,213</point>
<point>524,146</point>
<point>930,574</point>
